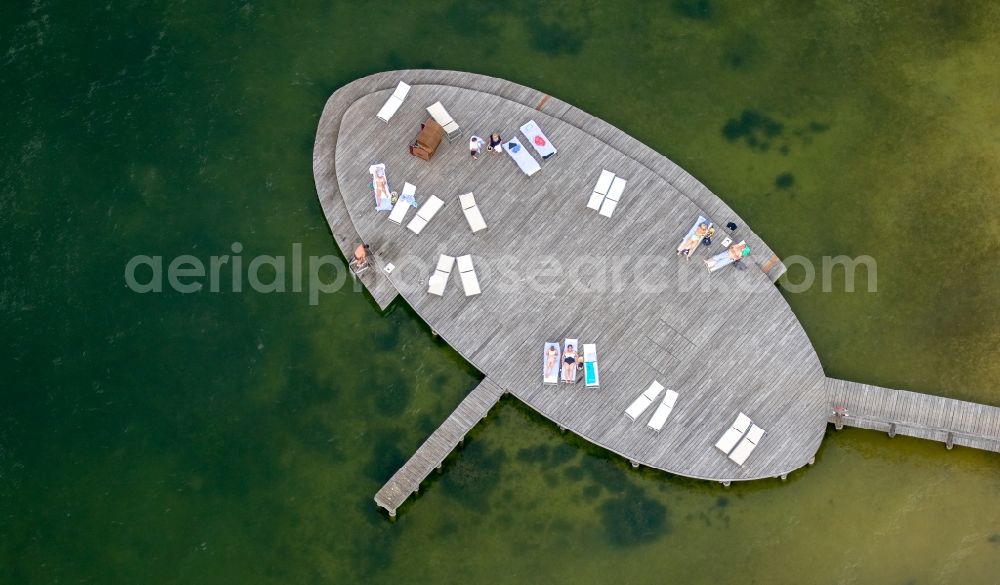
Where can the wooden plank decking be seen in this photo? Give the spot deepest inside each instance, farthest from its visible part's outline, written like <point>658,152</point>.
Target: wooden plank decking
<point>727,342</point>
<point>550,268</point>
<point>436,448</point>
<point>901,412</point>
<point>325,175</point>
<point>324,152</point>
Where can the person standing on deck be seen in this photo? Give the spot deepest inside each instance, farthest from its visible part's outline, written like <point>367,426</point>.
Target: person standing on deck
<point>476,146</point>
<point>495,142</point>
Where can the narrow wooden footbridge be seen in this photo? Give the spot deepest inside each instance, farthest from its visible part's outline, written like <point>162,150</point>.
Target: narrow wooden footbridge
<point>442,441</point>
<point>551,269</point>
<point>901,412</point>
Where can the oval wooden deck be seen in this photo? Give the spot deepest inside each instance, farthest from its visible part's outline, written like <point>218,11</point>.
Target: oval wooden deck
<point>551,268</point>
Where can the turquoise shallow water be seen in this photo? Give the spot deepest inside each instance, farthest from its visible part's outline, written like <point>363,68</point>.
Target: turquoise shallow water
<point>238,437</point>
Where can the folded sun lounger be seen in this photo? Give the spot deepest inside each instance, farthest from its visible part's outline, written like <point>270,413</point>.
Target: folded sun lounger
<point>571,349</point>
<point>640,404</point>
<point>470,282</point>
<point>747,445</point>
<point>442,117</point>
<point>734,434</point>
<point>522,157</point>
<point>424,214</point>
<point>538,139</point>
<point>403,204</point>
<point>663,411</point>
<point>380,187</point>
<point>614,194</point>
<point>438,280</point>
<point>393,103</point>
<point>550,363</point>
<point>591,374</point>
<point>601,190</point>
<point>472,213</point>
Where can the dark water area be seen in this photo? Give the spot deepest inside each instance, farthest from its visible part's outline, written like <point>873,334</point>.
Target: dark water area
<point>221,437</point>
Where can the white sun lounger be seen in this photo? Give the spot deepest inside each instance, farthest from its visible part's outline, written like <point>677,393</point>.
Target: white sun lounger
<point>393,103</point>
<point>601,190</point>
<point>614,194</point>
<point>640,404</point>
<point>538,140</point>
<point>571,378</point>
<point>663,411</point>
<point>442,117</point>
<point>472,213</point>
<point>438,280</point>
<point>591,373</point>
<point>734,434</point>
<point>551,375</point>
<point>521,156</point>
<point>470,282</point>
<point>403,203</point>
<point>424,214</point>
<point>747,445</point>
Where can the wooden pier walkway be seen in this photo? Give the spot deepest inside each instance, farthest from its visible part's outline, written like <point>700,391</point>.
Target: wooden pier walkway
<point>436,448</point>
<point>551,269</point>
<point>901,412</point>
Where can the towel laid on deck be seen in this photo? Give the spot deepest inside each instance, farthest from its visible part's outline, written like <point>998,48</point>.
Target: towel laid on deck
<point>522,157</point>
<point>538,140</point>
<point>409,196</point>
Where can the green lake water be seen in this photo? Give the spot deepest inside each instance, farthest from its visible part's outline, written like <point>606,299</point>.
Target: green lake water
<point>239,437</point>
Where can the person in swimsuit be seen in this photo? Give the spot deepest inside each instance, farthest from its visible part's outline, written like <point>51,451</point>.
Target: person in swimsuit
<point>691,243</point>
<point>736,252</point>
<point>381,187</point>
<point>550,359</point>
<point>495,141</point>
<point>569,360</point>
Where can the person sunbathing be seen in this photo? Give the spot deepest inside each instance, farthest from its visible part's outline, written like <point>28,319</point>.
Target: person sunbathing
<point>733,254</point>
<point>737,251</point>
<point>569,362</point>
<point>381,186</point>
<point>550,358</point>
<point>689,245</point>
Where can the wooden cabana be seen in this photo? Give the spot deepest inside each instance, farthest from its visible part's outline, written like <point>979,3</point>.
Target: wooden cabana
<point>427,140</point>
